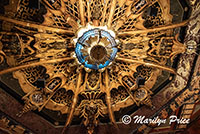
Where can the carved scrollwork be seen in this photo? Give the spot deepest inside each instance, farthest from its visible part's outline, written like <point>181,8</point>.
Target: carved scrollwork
<point>63,97</point>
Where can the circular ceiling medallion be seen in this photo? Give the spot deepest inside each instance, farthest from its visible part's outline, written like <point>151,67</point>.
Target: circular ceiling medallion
<point>96,48</point>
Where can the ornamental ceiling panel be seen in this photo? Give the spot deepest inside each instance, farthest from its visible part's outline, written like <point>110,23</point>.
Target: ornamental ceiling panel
<point>92,61</point>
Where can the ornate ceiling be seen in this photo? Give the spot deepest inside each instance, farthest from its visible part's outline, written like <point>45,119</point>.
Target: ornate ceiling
<point>92,61</point>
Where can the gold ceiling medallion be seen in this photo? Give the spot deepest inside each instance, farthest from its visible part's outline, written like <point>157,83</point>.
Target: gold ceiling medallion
<point>110,53</point>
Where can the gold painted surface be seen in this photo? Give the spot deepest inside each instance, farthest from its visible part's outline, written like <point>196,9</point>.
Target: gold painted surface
<point>45,51</point>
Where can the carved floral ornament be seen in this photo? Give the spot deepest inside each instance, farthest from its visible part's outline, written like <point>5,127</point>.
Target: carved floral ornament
<point>89,58</point>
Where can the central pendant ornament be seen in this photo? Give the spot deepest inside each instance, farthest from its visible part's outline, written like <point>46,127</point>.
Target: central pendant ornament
<point>96,48</point>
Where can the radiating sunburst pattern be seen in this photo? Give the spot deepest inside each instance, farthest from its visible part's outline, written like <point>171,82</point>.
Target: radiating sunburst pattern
<point>95,56</point>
